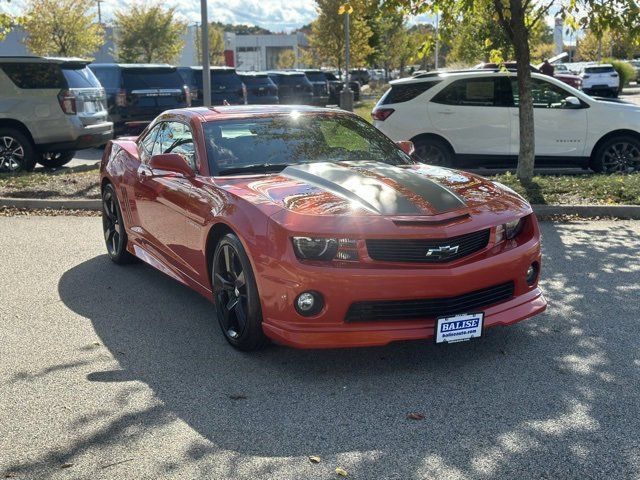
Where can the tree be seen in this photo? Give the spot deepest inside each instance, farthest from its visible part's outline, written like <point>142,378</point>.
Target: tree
<point>5,25</point>
<point>286,59</point>
<point>66,28</point>
<point>216,44</point>
<point>518,19</point>
<point>148,33</point>
<point>608,43</point>
<point>326,41</point>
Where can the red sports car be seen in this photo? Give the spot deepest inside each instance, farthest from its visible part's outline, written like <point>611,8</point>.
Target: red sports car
<point>309,227</point>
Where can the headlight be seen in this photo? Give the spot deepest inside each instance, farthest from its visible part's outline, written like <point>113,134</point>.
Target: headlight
<point>509,230</point>
<point>308,248</point>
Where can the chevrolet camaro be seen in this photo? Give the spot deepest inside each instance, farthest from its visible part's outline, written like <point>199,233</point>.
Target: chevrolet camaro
<point>309,227</point>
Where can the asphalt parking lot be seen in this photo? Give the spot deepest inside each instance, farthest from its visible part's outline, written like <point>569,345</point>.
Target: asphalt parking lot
<point>119,372</point>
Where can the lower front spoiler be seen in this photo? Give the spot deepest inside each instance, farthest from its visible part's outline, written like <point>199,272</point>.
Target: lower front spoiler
<point>377,334</point>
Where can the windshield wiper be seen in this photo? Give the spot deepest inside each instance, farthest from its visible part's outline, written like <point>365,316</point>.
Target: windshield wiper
<point>255,167</point>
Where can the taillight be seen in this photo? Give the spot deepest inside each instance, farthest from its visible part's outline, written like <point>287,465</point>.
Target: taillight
<point>187,95</point>
<point>194,94</point>
<point>121,98</point>
<point>381,114</point>
<point>67,100</point>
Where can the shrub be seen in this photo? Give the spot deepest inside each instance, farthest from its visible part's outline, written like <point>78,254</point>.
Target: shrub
<point>625,71</point>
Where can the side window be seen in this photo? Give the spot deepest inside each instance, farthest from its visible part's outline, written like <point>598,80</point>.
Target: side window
<point>147,144</point>
<point>176,137</point>
<point>545,94</point>
<point>474,92</point>
<point>35,75</point>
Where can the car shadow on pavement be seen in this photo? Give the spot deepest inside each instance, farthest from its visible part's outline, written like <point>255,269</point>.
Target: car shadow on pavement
<point>551,395</point>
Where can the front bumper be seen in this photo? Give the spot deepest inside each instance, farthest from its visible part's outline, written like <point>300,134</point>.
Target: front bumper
<point>340,287</point>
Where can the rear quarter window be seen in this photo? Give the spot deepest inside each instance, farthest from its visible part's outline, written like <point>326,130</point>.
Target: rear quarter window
<point>80,77</point>
<point>108,77</point>
<point>405,92</point>
<point>35,75</point>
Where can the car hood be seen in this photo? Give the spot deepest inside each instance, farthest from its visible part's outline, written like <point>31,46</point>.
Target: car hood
<point>374,188</point>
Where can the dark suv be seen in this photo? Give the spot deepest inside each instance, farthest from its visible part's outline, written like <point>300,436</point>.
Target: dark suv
<point>138,93</point>
<point>49,108</point>
<point>336,85</point>
<point>293,87</point>
<point>260,88</point>
<point>320,86</point>
<point>226,85</point>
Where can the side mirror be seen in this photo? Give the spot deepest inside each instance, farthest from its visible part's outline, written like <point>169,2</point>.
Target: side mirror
<point>406,146</point>
<point>170,162</point>
<point>572,102</point>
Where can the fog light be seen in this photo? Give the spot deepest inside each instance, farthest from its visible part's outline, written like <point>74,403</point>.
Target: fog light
<point>309,303</point>
<point>532,273</point>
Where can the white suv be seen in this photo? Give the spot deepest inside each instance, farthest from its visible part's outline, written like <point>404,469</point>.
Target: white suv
<point>471,118</point>
<point>600,79</point>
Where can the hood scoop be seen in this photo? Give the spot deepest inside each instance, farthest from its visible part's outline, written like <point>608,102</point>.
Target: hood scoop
<point>379,187</point>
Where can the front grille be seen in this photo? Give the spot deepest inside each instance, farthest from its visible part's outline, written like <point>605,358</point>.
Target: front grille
<point>417,250</point>
<point>389,310</point>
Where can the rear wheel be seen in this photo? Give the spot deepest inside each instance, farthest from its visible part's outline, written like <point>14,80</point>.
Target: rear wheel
<point>434,152</point>
<point>236,296</point>
<point>115,236</point>
<point>16,152</point>
<point>56,159</point>
<point>617,155</point>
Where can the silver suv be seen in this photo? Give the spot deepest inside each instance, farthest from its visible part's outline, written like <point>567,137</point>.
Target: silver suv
<point>49,108</point>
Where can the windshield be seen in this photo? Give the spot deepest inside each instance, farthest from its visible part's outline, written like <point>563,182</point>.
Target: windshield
<point>608,69</point>
<point>316,76</point>
<point>259,145</point>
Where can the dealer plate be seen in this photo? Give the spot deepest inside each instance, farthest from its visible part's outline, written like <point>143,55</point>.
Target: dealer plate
<point>459,328</point>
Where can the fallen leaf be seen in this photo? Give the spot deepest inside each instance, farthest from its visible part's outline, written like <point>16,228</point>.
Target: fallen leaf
<point>238,397</point>
<point>341,471</point>
<point>314,459</point>
<point>10,475</point>
<point>66,465</point>
<point>415,416</point>
<point>97,344</point>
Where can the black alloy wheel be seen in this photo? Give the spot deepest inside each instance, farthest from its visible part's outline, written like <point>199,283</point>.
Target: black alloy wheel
<point>16,152</point>
<point>115,237</point>
<point>619,155</point>
<point>236,296</point>
<point>433,152</point>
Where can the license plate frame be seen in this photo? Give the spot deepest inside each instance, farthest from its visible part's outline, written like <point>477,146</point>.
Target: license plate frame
<point>462,332</point>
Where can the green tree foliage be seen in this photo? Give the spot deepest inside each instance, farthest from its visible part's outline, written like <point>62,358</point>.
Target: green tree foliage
<point>5,25</point>
<point>67,28</point>
<point>148,33</point>
<point>326,41</point>
<point>286,59</point>
<point>518,20</point>
<point>216,44</point>
<point>608,43</point>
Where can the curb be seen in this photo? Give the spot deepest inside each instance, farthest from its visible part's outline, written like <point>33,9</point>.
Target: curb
<point>625,212</point>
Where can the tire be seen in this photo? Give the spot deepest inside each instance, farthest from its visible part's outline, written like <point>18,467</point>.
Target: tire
<point>434,152</point>
<point>617,155</point>
<point>235,291</point>
<point>17,153</point>
<point>115,235</point>
<point>56,159</point>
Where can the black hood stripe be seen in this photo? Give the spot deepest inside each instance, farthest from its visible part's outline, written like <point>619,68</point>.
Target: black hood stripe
<point>353,183</point>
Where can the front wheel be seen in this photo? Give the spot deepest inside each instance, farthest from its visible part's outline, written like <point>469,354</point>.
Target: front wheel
<point>434,152</point>
<point>236,296</point>
<point>56,159</point>
<point>617,155</point>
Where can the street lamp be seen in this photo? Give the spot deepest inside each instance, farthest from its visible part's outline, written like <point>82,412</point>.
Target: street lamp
<point>206,67</point>
<point>346,95</point>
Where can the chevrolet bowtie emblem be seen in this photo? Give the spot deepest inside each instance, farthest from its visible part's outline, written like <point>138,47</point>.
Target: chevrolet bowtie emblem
<point>443,251</point>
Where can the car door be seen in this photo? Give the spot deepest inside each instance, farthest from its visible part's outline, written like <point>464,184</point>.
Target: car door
<point>470,114</point>
<point>560,128</point>
<point>162,199</point>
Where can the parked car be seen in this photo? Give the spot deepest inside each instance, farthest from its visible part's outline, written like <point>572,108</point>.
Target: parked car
<point>226,85</point>
<point>261,90</point>
<point>309,227</point>
<point>320,86</point>
<point>361,75</point>
<point>570,79</point>
<point>601,79</point>
<point>471,118</point>
<point>293,87</point>
<point>336,85</point>
<point>49,108</point>
<point>137,92</point>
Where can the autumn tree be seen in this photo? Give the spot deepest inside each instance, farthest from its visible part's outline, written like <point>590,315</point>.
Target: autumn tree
<point>148,33</point>
<point>6,22</point>
<point>286,59</point>
<point>517,19</point>
<point>66,28</point>
<point>216,44</point>
<point>607,43</point>
<point>326,41</point>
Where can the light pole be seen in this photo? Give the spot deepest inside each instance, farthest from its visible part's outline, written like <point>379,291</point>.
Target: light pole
<point>346,95</point>
<point>206,67</point>
<point>437,40</point>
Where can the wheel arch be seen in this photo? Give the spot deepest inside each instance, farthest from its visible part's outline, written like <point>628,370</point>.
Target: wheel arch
<point>214,235</point>
<point>615,133</point>
<point>433,136</point>
<point>17,125</point>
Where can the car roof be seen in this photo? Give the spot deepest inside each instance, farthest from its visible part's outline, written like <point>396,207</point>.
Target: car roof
<point>37,59</point>
<point>285,72</point>
<point>456,74</point>
<point>132,65</point>
<point>217,68</point>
